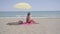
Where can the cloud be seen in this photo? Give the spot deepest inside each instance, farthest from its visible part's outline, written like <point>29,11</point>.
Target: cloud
<point>22,6</point>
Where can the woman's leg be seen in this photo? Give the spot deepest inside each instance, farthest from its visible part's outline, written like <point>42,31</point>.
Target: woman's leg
<point>32,21</point>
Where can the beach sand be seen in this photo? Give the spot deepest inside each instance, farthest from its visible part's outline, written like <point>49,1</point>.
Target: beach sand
<point>45,26</point>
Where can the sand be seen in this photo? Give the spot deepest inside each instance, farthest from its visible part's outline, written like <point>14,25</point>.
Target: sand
<point>45,26</point>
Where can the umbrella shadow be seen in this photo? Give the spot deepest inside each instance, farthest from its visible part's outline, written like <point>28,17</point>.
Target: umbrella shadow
<point>15,23</point>
<point>18,23</point>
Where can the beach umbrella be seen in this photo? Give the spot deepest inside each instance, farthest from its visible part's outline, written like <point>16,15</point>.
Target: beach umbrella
<point>22,6</point>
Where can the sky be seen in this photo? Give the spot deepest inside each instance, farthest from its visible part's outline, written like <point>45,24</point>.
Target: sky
<point>37,5</point>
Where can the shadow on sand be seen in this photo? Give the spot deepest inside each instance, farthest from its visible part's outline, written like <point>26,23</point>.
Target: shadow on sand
<point>19,23</point>
<point>15,23</point>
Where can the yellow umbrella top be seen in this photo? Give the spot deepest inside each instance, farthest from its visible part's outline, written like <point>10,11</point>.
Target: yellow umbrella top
<point>22,6</point>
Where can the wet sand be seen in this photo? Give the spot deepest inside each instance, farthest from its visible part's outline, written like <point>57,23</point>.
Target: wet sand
<point>45,26</point>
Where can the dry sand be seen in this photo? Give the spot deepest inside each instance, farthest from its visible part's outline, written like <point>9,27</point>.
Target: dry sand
<point>45,26</point>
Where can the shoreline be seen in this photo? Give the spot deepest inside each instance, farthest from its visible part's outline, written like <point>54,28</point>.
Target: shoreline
<point>25,17</point>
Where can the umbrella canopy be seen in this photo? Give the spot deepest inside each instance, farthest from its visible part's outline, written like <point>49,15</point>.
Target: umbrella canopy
<point>22,6</point>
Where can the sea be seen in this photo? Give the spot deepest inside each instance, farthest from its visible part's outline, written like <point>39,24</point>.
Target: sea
<point>42,14</point>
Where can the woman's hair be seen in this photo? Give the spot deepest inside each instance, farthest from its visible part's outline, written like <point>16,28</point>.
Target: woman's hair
<point>28,13</point>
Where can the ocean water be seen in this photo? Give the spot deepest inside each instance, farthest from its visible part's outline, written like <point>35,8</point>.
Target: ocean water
<point>48,14</point>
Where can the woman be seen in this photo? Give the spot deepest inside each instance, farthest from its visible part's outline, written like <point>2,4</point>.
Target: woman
<point>28,19</point>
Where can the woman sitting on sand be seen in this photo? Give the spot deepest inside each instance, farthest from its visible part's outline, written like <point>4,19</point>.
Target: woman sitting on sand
<point>28,19</point>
